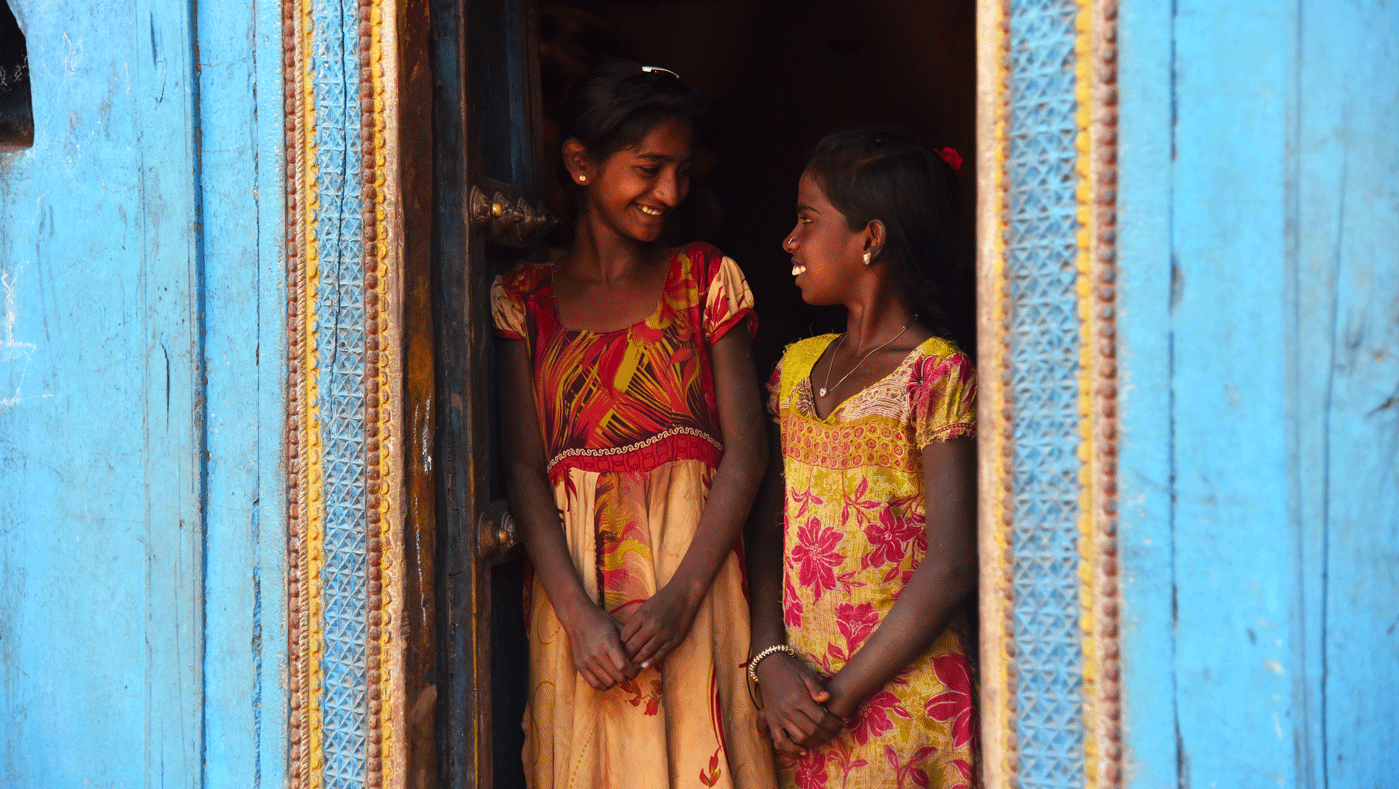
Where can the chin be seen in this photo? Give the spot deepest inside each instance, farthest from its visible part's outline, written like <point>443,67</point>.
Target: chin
<point>647,235</point>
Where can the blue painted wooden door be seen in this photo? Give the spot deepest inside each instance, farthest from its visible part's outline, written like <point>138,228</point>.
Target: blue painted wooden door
<point>1260,431</point>
<point>140,402</point>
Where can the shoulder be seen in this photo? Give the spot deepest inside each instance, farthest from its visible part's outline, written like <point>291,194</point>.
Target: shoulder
<point>939,361</point>
<point>802,354</point>
<point>700,261</point>
<point>810,345</point>
<point>700,251</point>
<point>525,278</point>
<point>940,348</point>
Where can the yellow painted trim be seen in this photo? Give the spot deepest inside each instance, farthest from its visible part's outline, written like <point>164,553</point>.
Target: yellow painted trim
<point>314,451</point>
<point>1085,194</point>
<point>387,256</point>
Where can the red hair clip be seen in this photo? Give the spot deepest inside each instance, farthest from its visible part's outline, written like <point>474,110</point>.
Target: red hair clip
<point>953,159</point>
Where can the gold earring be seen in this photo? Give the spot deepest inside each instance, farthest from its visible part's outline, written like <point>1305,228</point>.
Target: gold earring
<point>582,179</point>
<point>867,257</point>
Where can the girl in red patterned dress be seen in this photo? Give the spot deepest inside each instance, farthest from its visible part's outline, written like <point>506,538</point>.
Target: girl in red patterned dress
<point>864,554</point>
<point>634,447</point>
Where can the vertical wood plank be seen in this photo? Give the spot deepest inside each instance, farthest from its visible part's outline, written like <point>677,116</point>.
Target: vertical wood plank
<point>73,520</point>
<point>1347,383</point>
<point>241,189</point>
<point>1145,463</point>
<point>171,277</point>
<point>1234,562</point>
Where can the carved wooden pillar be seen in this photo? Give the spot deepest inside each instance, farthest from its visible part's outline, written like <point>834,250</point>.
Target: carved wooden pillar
<point>344,430</point>
<point>1047,243</point>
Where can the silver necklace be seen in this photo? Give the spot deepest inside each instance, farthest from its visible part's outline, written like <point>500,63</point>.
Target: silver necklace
<point>826,387</point>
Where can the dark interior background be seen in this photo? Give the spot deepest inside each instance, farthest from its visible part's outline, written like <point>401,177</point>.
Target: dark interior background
<point>780,75</point>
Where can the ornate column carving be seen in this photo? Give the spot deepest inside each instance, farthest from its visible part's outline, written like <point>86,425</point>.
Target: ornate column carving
<point>345,506</point>
<point>1047,260</point>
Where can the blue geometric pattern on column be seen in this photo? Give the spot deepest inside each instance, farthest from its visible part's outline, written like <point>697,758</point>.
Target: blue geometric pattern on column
<point>1042,274</point>
<point>340,315</point>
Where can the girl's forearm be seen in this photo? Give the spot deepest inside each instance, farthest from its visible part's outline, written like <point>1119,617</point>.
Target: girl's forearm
<point>764,551</point>
<point>740,471</point>
<point>531,497</point>
<point>923,610</point>
<point>721,523</point>
<point>532,505</point>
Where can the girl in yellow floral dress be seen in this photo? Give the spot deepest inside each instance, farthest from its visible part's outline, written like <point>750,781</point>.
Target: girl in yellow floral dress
<point>864,551</point>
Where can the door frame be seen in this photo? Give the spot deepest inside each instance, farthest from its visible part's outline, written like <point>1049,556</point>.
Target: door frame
<point>353,702</point>
<point>1047,346</point>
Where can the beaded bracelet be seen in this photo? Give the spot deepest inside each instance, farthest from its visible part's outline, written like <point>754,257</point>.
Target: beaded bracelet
<point>758,658</point>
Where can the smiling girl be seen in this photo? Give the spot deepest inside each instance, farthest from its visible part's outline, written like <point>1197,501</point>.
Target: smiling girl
<point>864,552</point>
<point>634,447</point>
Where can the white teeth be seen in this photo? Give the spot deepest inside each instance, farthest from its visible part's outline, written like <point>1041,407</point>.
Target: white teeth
<point>648,211</point>
<point>798,269</point>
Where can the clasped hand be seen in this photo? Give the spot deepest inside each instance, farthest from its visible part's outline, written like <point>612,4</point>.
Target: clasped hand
<point>795,705</point>
<point>606,652</point>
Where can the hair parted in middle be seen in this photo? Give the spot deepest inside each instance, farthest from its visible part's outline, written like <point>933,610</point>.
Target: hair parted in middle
<point>881,173</point>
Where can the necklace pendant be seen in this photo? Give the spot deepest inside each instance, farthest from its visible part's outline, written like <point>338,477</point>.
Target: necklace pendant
<point>823,391</point>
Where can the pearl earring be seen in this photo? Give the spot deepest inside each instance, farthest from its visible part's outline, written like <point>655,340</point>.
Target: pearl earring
<point>867,257</point>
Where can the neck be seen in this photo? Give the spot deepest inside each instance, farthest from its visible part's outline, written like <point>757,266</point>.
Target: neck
<point>873,320</point>
<point>599,253</point>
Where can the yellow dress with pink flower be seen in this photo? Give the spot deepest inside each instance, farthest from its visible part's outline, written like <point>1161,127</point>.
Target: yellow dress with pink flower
<point>630,426</point>
<point>854,532</point>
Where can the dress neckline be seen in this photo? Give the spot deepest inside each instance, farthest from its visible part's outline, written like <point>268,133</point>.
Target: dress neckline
<point>671,268</point>
<point>806,393</point>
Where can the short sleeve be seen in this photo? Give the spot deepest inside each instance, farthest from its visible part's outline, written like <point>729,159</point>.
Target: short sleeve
<point>507,310</point>
<point>775,393</point>
<point>728,301</point>
<point>942,391</point>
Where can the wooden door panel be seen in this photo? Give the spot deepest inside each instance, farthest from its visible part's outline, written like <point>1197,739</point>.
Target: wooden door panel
<point>485,218</point>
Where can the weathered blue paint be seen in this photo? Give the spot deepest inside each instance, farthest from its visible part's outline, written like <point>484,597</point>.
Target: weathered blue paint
<point>1145,449</point>
<point>140,401</point>
<point>1259,480</point>
<point>1345,382</point>
<point>242,246</point>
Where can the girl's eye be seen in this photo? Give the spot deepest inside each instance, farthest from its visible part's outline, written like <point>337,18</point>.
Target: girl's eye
<point>649,171</point>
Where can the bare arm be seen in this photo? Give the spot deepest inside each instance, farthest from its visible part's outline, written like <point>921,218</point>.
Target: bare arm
<point>764,550</point>
<point>661,623</point>
<point>939,585</point>
<point>593,634</point>
<point>792,694</point>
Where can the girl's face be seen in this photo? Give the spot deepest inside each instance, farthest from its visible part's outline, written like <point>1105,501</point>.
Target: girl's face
<point>632,190</point>
<point>827,256</point>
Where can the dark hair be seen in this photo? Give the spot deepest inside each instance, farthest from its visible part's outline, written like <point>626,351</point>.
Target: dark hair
<point>616,104</point>
<point>882,173</point>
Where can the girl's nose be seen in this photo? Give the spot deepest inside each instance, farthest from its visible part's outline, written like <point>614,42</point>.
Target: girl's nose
<point>789,243</point>
<point>668,190</point>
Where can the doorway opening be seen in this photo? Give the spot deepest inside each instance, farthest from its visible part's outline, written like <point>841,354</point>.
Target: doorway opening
<point>780,75</point>
<point>16,103</point>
